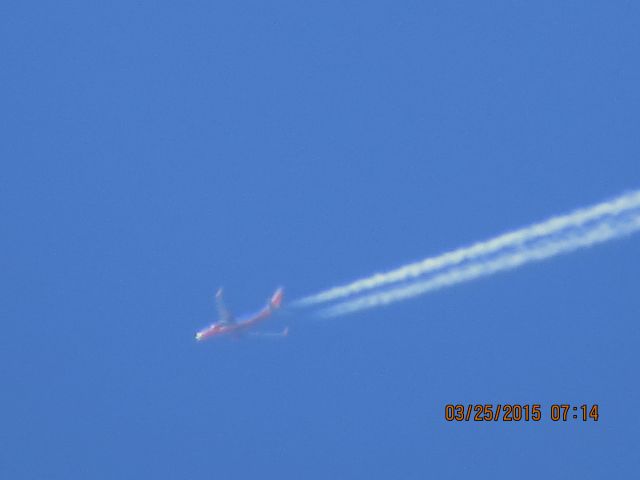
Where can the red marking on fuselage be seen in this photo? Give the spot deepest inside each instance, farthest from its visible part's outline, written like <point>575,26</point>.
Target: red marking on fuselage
<point>218,329</point>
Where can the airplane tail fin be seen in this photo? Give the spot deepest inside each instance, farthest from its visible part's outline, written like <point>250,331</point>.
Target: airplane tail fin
<point>276,299</point>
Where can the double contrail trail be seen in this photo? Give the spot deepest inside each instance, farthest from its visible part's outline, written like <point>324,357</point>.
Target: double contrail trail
<point>562,234</point>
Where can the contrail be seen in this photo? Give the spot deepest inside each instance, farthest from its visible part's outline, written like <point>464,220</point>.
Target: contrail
<point>593,235</point>
<point>613,216</point>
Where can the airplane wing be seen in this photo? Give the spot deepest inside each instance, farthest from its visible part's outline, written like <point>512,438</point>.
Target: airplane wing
<point>224,315</point>
<point>283,333</point>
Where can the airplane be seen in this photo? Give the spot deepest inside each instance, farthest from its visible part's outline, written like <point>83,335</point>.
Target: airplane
<point>227,324</point>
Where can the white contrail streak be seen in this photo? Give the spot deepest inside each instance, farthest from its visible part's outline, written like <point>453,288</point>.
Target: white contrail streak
<point>585,237</point>
<point>517,239</point>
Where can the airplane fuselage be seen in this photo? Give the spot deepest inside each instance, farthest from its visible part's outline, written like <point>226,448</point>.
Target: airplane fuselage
<point>222,328</point>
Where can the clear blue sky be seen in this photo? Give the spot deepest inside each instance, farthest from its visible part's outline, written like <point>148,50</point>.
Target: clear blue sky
<point>153,151</point>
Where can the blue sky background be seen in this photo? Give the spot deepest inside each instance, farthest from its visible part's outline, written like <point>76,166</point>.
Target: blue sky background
<point>153,151</point>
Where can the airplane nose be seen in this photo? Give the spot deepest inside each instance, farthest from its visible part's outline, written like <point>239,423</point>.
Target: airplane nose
<point>198,336</point>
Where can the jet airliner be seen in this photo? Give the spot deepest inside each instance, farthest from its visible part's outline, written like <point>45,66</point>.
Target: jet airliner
<point>228,324</point>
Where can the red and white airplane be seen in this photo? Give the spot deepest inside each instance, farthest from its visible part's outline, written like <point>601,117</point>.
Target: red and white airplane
<point>228,324</point>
